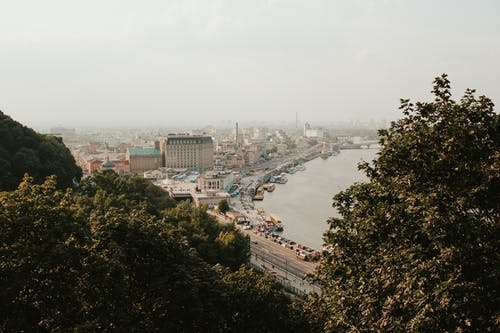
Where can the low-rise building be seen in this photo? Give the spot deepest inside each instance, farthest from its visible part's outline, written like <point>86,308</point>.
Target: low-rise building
<point>281,148</point>
<point>94,165</point>
<point>121,167</point>
<point>143,159</point>
<point>212,182</point>
<point>234,161</point>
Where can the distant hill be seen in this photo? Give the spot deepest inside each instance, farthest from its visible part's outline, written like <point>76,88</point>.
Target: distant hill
<point>22,150</point>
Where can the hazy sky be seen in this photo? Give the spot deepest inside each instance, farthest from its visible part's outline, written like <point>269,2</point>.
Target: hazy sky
<point>159,62</point>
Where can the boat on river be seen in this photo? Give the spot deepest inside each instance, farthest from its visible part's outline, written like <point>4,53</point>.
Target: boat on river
<point>324,152</point>
<point>301,167</point>
<point>259,195</point>
<point>274,223</point>
<point>269,187</point>
<point>279,179</point>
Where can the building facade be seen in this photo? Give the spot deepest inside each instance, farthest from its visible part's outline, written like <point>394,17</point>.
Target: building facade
<point>94,165</point>
<point>193,152</point>
<point>143,159</point>
<point>214,182</point>
<point>234,161</point>
<point>120,166</point>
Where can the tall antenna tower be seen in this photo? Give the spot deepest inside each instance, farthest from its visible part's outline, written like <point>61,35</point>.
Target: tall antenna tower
<point>236,136</point>
<point>296,120</point>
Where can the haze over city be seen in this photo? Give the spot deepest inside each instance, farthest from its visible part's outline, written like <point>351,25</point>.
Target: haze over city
<point>162,63</point>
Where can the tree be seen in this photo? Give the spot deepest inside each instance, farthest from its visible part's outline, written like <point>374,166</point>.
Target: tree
<point>258,304</point>
<point>65,267</point>
<point>223,206</point>
<point>215,242</point>
<point>232,248</point>
<point>416,248</point>
<point>22,150</point>
<point>43,241</point>
<point>126,191</point>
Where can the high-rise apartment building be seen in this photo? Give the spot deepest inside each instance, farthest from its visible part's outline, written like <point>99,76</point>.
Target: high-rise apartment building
<point>193,152</point>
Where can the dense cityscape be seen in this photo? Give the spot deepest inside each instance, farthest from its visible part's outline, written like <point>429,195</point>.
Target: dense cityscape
<point>236,165</point>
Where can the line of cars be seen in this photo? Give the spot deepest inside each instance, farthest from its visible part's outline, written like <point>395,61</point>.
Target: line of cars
<point>301,251</point>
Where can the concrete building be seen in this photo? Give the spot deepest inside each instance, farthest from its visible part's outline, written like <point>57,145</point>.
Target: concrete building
<point>193,152</point>
<point>156,174</point>
<point>94,165</point>
<point>234,161</point>
<point>282,148</point>
<point>213,182</point>
<point>143,159</point>
<point>120,166</point>
<point>181,191</point>
<point>211,187</point>
<point>209,199</point>
<point>254,152</point>
<point>313,133</point>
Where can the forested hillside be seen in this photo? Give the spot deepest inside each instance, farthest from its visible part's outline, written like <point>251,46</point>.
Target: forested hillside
<point>22,150</point>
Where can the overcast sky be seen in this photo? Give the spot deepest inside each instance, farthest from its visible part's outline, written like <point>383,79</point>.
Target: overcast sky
<point>159,63</point>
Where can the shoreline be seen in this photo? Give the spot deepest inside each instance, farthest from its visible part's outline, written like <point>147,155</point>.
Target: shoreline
<point>245,206</point>
<point>345,174</point>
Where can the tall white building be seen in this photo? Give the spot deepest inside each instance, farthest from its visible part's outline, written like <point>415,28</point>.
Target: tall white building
<point>313,133</point>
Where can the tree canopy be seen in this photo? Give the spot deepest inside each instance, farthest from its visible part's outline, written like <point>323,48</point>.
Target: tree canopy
<point>67,267</point>
<point>106,259</point>
<point>216,243</point>
<point>108,188</point>
<point>22,150</point>
<point>223,206</point>
<point>416,248</point>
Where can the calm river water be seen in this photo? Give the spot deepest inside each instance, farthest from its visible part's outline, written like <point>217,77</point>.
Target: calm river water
<point>304,203</point>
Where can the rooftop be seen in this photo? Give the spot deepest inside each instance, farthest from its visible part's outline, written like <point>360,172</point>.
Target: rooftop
<point>175,139</point>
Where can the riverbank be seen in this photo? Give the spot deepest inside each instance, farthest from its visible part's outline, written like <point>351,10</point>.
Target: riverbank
<point>304,203</point>
<point>264,224</point>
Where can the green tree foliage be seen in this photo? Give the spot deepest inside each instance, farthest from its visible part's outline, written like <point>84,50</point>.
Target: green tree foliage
<point>43,240</point>
<point>259,305</point>
<point>216,243</point>
<point>22,150</point>
<point>107,188</point>
<point>416,248</point>
<point>149,280</point>
<point>67,264</point>
<point>232,248</point>
<point>223,206</point>
<point>65,268</point>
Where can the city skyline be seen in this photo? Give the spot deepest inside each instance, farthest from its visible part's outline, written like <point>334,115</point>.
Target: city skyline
<point>121,63</point>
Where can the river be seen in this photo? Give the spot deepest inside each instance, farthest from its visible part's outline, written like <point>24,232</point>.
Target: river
<point>304,203</point>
